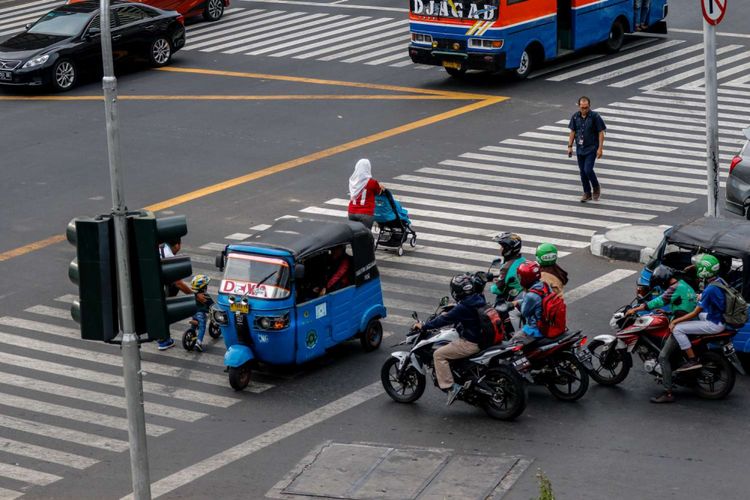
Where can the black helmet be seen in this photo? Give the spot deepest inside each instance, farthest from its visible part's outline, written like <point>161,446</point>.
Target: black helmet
<point>661,277</point>
<point>462,285</point>
<point>510,243</point>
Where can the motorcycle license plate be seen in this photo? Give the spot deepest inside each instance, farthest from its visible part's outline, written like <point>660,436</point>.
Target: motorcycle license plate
<point>452,64</point>
<point>583,354</point>
<point>239,307</point>
<point>521,362</point>
<point>729,349</point>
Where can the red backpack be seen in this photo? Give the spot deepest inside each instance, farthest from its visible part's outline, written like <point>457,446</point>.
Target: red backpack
<point>491,330</point>
<point>553,322</point>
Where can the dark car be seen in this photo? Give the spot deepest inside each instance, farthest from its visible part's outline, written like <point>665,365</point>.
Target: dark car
<point>738,182</point>
<point>66,43</point>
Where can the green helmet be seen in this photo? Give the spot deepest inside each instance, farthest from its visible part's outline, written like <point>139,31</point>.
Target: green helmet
<point>707,266</point>
<point>546,254</point>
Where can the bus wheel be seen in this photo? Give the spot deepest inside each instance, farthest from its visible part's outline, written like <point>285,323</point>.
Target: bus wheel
<point>616,37</point>
<point>456,73</point>
<point>525,66</point>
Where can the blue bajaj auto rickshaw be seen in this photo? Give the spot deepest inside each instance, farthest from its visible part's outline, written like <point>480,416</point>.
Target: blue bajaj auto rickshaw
<point>291,292</point>
<point>726,239</point>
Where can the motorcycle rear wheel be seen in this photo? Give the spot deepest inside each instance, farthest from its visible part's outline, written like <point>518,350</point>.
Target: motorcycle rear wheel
<point>612,373</point>
<point>510,396</point>
<point>716,379</point>
<point>564,386</point>
<point>409,389</point>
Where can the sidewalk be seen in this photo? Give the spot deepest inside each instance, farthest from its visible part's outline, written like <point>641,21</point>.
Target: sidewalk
<point>629,242</point>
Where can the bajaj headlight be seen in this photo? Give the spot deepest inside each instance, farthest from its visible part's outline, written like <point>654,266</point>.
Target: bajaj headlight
<point>37,61</point>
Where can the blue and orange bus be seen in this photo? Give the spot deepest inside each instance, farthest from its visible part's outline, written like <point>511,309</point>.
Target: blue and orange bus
<point>517,35</point>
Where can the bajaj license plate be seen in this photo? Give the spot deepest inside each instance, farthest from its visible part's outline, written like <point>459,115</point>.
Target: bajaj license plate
<point>6,75</point>
<point>239,307</point>
<point>452,64</point>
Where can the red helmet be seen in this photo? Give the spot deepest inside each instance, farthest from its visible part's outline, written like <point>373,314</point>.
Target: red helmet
<point>529,273</point>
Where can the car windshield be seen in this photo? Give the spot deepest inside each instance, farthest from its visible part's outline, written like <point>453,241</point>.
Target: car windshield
<point>258,276</point>
<point>60,22</point>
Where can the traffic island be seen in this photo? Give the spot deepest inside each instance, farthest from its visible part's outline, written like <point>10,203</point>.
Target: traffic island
<point>628,242</point>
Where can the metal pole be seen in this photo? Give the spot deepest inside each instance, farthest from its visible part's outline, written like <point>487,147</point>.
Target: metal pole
<point>131,357</point>
<point>712,119</point>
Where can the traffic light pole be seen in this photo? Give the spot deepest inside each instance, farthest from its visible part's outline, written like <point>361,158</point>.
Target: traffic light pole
<point>131,357</point>
<point>712,119</point>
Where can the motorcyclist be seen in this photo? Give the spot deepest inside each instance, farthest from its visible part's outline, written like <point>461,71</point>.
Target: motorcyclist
<point>507,287</point>
<point>678,295</point>
<point>465,315</point>
<point>710,314</point>
<point>530,278</point>
<point>552,274</point>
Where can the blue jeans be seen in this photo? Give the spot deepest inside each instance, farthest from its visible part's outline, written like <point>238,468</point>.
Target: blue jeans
<point>201,318</point>
<point>641,12</point>
<point>586,169</point>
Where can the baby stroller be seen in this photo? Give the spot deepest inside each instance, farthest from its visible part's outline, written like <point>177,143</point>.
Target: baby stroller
<point>393,221</point>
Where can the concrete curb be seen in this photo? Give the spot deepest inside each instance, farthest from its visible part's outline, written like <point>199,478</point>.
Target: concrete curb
<point>615,242</point>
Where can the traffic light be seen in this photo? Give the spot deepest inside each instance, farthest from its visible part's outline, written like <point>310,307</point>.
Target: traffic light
<point>93,270</point>
<point>154,311</point>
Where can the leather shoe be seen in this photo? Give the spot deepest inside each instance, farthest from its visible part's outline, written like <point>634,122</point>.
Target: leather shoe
<point>597,193</point>
<point>586,197</point>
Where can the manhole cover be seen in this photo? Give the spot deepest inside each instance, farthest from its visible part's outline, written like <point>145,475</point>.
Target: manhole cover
<point>369,471</point>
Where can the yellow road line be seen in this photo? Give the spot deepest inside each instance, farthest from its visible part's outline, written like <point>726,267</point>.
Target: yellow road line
<point>317,81</point>
<point>288,97</point>
<point>221,186</point>
<point>17,252</point>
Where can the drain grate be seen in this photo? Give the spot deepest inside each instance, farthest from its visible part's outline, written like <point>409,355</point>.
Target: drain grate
<point>358,471</point>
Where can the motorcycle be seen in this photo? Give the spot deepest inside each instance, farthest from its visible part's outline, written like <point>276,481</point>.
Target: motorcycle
<point>561,365</point>
<point>489,379</point>
<point>644,335</point>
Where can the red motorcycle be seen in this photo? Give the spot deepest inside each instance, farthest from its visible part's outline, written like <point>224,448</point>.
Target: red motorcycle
<point>612,355</point>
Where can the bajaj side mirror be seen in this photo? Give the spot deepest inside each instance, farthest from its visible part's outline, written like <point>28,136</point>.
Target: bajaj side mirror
<point>220,262</point>
<point>299,272</point>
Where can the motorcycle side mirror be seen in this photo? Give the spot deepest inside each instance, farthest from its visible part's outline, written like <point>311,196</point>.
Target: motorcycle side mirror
<point>444,301</point>
<point>299,271</point>
<point>415,316</point>
<point>220,262</point>
<point>494,263</point>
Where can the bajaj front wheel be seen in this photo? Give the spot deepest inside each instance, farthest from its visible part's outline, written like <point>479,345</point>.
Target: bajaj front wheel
<point>404,388</point>
<point>239,377</point>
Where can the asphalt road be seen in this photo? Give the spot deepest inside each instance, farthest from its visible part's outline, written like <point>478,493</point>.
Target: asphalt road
<point>467,166</point>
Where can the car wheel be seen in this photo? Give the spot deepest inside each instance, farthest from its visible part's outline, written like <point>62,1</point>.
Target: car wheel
<point>214,10</point>
<point>160,52</point>
<point>64,75</point>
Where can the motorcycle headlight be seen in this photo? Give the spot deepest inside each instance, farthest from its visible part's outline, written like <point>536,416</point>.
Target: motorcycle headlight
<point>37,61</point>
<point>219,316</point>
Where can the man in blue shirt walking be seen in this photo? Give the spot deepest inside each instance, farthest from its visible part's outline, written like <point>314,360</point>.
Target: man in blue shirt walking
<point>587,132</point>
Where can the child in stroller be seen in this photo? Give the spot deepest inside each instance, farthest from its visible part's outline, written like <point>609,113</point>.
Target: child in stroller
<point>394,224</point>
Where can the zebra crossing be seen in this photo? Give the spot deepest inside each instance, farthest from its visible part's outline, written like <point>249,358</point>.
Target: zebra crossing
<point>661,64</point>
<point>62,406</point>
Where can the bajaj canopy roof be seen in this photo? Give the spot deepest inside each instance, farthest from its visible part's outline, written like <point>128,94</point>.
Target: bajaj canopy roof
<point>723,236</point>
<point>304,237</point>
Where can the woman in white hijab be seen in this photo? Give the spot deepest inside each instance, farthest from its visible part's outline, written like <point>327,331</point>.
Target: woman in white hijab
<point>362,191</point>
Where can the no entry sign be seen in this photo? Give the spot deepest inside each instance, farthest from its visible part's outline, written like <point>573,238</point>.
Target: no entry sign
<point>714,10</point>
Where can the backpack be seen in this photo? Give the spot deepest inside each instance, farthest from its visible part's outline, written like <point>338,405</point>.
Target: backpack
<point>491,330</point>
<point>735,309</point>
<point>553,322</point>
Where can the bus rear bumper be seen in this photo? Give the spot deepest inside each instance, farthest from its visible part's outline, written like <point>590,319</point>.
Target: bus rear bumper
<point>478,61</point>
